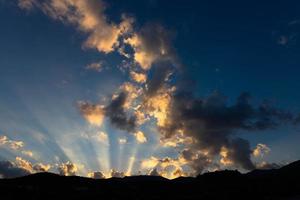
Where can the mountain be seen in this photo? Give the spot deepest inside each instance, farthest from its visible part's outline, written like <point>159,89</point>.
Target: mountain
<point>283,183</point>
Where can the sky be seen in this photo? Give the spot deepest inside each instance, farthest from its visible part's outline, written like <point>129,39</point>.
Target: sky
<point>111,88</point>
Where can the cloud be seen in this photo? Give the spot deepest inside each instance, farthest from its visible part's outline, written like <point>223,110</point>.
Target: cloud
<point>27,153</point>
<point>167,167</point>
<point>154,172</point>
<point>96,66</point>
<point>88,17</point>
<point>150,44</point>
<point>93,113</point>
<point>140,137</point>
<point>266,165</point>
<point>261,150</point>
<point>198,160</point>
<point>32,168</point>
<point>67,169</point>
<point>39,167</point>
<point>117,174</point>
<point>207,127</point>
<point>138,77</point>
<point>10,170</point>
<point>161,73</point>
<point>102,137</point>
<point>21,167</point>
<point>213,124</point>
<point>12,144</point>
<point>118,117</point>
<point>96,175</point>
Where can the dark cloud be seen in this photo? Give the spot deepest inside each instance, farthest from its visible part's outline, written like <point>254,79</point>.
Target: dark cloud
<point>10,170</point>
<point>118,117</point>
<point>198,162</point>
<point>240,153</point>
<point>215,124</point>
<point>117,174</point>
<point>97,175</point>
<point>160,73</point>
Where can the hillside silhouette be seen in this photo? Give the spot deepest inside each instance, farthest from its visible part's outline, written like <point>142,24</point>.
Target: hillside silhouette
<point>283,183</point>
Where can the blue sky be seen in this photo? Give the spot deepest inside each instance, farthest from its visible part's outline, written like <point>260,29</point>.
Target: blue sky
<point>230,47</point>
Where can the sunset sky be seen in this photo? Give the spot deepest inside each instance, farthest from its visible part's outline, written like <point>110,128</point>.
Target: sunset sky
<point>104,88</point>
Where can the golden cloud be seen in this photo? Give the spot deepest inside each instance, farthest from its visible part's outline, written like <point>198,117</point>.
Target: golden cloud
<point>93,113</point>
<point>88,17</point>
<point>140,137</point>
<point>138,77</point>
<point>12,144</point>
<point>261,150</point>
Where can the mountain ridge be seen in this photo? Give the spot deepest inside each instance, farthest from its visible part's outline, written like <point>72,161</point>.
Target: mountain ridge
<point>282,183</point>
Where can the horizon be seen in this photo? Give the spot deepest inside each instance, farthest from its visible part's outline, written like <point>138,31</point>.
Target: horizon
<point>106,88</point>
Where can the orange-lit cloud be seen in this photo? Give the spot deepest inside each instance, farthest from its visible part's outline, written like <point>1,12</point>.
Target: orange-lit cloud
<point>225,160</point>
<point>140,137</point>
<point>150,44</point>
<point>12,144</point>
<point>67,169</point>
<point>32,168</point>
<point>261,150</point>
<point>88,17</point>
<point>138,77</point>
<point>93,113</point>
<point>96,175</point>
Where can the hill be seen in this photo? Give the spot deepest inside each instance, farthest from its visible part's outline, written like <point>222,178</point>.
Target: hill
<point>283,183</point>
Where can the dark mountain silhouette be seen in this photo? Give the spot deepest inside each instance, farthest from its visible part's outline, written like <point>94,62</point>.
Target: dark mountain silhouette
<point>283,183</point>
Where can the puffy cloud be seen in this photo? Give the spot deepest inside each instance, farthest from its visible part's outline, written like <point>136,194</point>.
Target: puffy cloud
<point>166,167</point>
<point>117,174</point>
<point>39,167</point>
<point>177,140</point>
<point>132,93</point>
<point>150,44</point>
<point>20,167</point>
<point>140,137</point>
<point>161,72</point>
<point>213,124</point>
<point>93,113</point>
<point>158,107</point>
<point>261,150</point>
<point>10,170</point>
<point>32,168</point>
<point>88,17</point>
<point>12,144</point>
<point>149,163</point>
<point>115,111</point>
<point>67,169</point>
<point>198,160</point>
<point>96,175</point>
<point>138,77</point>
<point>96,66</point>
<point>102,137</point>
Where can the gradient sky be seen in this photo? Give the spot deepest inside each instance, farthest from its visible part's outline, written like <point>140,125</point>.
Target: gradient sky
<point>230,47</point>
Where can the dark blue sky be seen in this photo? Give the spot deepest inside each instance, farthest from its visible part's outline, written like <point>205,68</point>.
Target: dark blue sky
<point>228,46</point>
